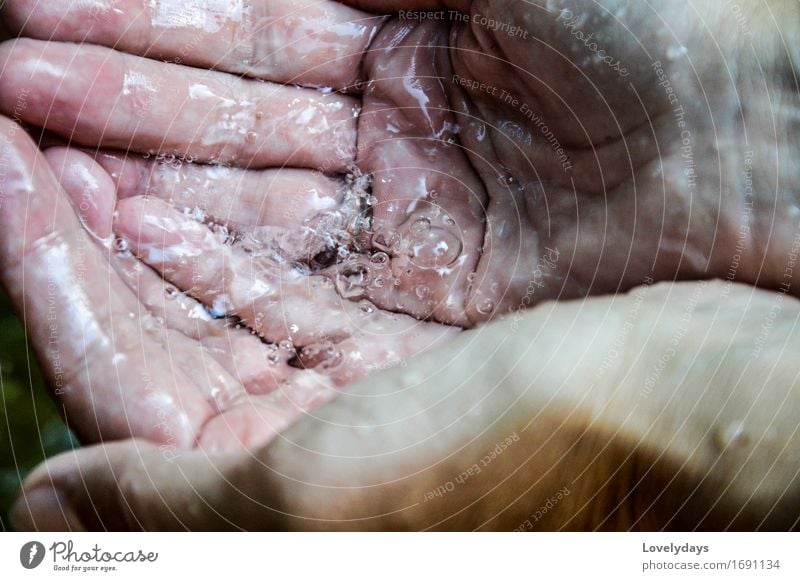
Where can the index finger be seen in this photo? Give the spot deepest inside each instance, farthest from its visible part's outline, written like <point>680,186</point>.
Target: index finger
<point>315,43</point>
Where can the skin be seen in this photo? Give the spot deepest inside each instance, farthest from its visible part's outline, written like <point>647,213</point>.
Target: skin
<point>438,115</point>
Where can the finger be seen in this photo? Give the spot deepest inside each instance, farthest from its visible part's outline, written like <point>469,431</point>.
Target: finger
<point>240,199</point>
<point>100,97</point>
<point>197,343</point>
<point>430,221</point>
<point>307,42</point>
<point>86,186</point>
<point>280,303</point>
<point>130,485</point>
<point>483,433</point>
<point>258,420</point>
<point>78,314</point>
<point>382,6</point>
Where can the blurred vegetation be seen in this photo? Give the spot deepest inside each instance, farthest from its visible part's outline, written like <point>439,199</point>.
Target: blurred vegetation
<point>31,427</point>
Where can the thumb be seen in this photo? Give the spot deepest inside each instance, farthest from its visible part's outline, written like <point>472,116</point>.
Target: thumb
<point>130,485</point>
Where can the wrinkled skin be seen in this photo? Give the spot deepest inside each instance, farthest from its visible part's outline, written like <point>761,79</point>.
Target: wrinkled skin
<point>559,177</point>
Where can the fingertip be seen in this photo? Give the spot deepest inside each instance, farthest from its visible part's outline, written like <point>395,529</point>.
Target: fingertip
<point>44,508</point>
<point>90,189</point>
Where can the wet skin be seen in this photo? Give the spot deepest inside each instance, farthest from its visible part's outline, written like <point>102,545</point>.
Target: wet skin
<point>453,175</point>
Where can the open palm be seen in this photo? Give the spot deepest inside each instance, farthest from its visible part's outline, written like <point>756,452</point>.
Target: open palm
<point>396,180</point>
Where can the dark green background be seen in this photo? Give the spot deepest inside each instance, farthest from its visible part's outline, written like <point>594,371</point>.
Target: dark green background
<point>31,427</point>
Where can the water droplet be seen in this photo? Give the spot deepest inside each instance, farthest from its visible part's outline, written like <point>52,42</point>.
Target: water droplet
<point>675,52</point>
<point>385,241</point>
<point>366,308</point>
<point>121,245</point>
<point>334,359</point>
<point>730,436</point>
<point>420,226</point>
<point>223,234</point>
<point>448,220</point>
<point>273,356</point>
<point>286,345</point>
<point>435,248</point>
<point>252,136</point>
<point>351,281</point>
<point>259,115</point>
<point>378,282</point>
<point>294,328</point>
<point>485,306</point>
<point>379,258</point>
<point>171,292</point>
<point>422,291</point>
<point>505,180</point>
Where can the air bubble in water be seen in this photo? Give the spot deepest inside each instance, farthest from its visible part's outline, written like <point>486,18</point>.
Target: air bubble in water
<point>421,226</point>
<point>385,241</point>
<point>485,307</point>
<point>422,291</point>
<point>121,245</point>
<point>286,345</point>
<point>379,258</point>
<point>730,435</point>
<point>435,248</point>
<point>171,292</point>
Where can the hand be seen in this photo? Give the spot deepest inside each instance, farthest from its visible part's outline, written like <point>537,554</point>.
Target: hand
<point>501,279</point>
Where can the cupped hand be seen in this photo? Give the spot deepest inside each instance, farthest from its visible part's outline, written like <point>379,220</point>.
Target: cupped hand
<point>453,175</point>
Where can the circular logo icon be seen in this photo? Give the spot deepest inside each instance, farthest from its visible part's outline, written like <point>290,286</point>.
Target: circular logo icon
<point>31,554</point>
